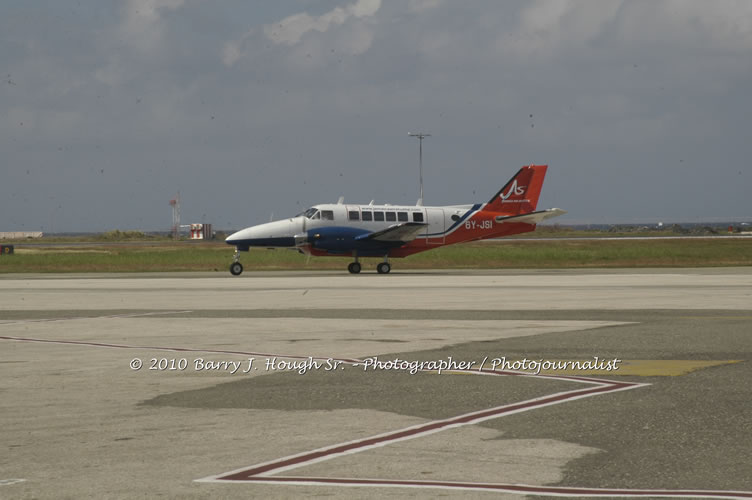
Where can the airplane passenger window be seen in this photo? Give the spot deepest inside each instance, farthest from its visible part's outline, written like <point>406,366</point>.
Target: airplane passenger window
<point>455,217</point>
<point>327,215</point>
<point>353,215</point>
<point>367,216</point>
<point>402,216</point>
<point>391,216</point>
<point>378,216</point>
<point>417,217</point>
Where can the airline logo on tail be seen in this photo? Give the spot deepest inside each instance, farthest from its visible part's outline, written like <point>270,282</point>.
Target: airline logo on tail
<point>520,194</point>
<point>513,190</point>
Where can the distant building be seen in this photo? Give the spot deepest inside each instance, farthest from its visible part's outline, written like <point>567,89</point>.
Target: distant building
<point>19,235</point>
<point>201,231</point>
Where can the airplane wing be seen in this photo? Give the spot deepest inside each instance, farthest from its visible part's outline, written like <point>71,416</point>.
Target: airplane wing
<point>532,217</point>
<point>407,231</point>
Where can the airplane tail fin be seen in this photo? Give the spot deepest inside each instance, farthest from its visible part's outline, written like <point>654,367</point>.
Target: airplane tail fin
<point>519,195</point>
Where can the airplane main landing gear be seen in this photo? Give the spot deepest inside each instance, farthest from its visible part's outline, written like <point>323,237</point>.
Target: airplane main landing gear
<point>384,268</point>
<point>354,267</point>
<point>236,268</point>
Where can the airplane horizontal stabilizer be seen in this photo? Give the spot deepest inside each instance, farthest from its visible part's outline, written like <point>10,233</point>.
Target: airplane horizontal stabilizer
<point>407,231</point>
<point>532,217</point>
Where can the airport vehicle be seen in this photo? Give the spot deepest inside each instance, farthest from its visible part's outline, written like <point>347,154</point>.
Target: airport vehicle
<point>394,231</point>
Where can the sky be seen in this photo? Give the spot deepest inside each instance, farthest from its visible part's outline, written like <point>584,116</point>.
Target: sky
<point>254,110</point>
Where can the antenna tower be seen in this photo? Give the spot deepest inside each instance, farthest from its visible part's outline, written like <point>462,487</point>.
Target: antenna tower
<point>175,204</point>
<point>420,136</point>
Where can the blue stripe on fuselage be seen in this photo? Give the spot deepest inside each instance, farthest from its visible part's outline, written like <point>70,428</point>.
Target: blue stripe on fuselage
<point>244,245</point>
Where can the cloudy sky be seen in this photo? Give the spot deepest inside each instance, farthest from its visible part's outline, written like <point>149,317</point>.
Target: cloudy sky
<point>109,108</point>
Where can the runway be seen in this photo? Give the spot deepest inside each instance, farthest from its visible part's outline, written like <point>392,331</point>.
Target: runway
<point>628,383</point>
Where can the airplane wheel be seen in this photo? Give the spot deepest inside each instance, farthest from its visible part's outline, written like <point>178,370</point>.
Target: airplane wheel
<point>236,268</point>
<point>384,268</point>
<point>354,268</point>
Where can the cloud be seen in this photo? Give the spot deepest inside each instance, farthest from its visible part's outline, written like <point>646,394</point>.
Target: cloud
<point>233,51</point>
<point>547,29</point>
<point>142,26</point>
<point>423,5</point>
<point>139,36</point>
<point>291,29</point>
<point>723,25</point>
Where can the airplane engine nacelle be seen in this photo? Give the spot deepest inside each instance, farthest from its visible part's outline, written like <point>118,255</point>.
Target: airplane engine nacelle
<point>334,239</point>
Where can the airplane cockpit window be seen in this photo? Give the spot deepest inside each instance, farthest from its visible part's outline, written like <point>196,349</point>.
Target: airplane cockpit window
<point>311,213</point>
<point>327,215</point>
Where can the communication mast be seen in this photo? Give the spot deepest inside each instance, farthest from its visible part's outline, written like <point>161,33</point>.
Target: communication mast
<point>420,136</point>
<point>175,204</point>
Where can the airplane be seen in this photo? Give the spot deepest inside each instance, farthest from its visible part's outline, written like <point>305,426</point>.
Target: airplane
<point>396,231</point>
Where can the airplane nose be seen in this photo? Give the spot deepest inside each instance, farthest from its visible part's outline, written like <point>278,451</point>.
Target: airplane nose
<point>230,240</point>
<point>275,234</point>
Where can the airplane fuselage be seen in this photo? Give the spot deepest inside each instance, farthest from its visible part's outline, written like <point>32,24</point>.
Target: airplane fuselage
<point>333,229</point>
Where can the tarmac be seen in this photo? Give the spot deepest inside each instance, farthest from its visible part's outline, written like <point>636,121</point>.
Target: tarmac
<point>416,384</point>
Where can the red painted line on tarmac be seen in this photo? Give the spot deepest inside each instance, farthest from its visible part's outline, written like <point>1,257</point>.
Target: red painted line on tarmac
<point>564,491</point>
<point>263,473</point>
<point>265,469</point>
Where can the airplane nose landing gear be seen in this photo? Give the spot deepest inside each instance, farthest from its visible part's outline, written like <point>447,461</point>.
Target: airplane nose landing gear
<point>236,268</point>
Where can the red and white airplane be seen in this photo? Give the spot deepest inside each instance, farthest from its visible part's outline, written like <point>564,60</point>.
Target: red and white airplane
<point>398,231</point>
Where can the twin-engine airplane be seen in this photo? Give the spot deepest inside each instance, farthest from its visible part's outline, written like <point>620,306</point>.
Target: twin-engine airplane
<point>398,231</point>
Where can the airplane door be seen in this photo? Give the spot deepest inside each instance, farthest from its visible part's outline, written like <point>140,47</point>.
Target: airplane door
<point>355,211</point>
<point>435,229</point>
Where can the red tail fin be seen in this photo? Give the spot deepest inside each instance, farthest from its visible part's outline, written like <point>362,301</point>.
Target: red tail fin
<point>519,195</point>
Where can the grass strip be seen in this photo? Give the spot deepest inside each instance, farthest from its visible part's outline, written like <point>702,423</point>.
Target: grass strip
<point>501,254</point>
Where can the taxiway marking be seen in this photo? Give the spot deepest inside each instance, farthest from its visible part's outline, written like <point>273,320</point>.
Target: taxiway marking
<point>263,473</point>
